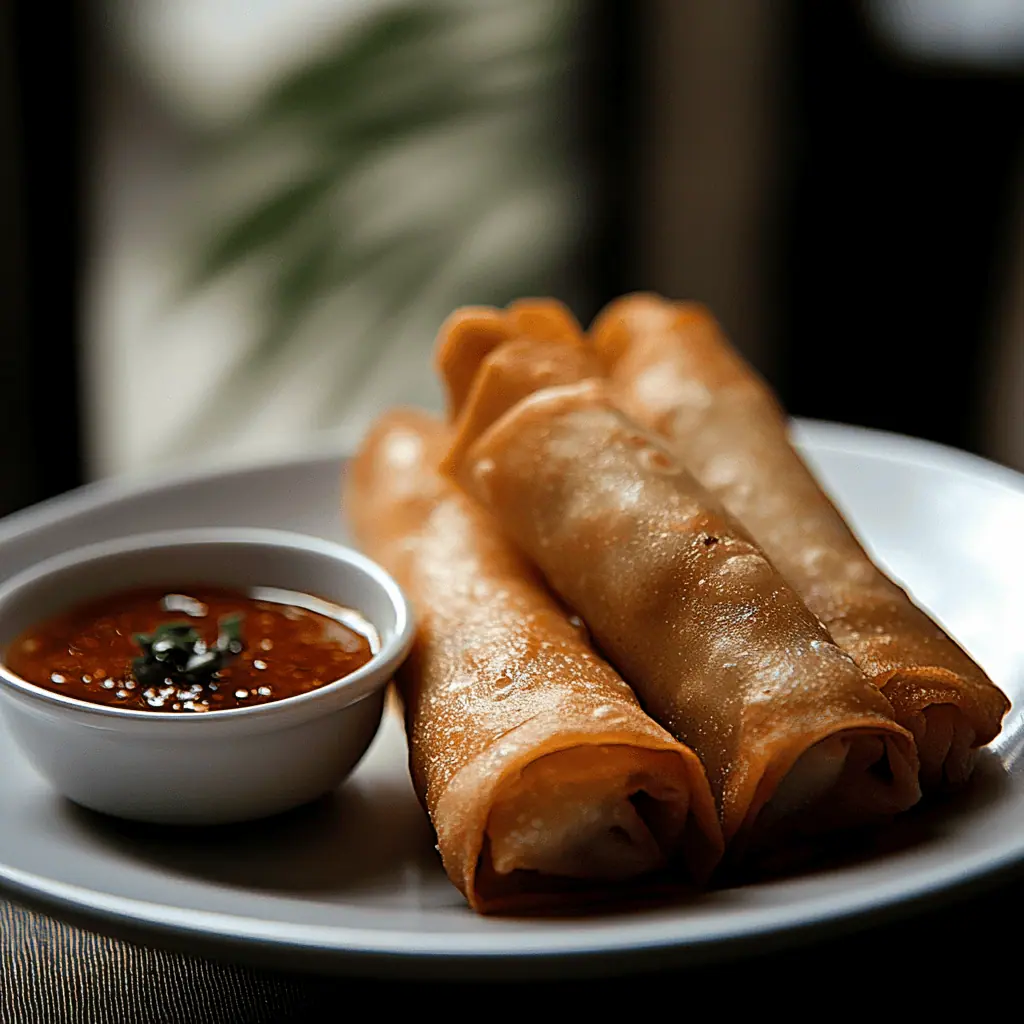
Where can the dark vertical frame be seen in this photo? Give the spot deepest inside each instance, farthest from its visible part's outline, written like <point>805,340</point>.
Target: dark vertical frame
<point>609,113</point>
<point>888,226</point>
<point>683,139</point>
<point>900,187</point>
<point>42,108</point>
<point>18,482</point>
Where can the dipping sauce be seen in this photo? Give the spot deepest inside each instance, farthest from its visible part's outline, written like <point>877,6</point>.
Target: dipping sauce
<point>245,648</point>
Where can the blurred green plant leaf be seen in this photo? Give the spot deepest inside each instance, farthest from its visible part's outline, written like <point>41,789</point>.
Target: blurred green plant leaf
<point>410,270</point>
<point>437,108</point>
<point>329,83</point>
<point>313,270</point>
<point>393,77</point>
<point>256,229</point>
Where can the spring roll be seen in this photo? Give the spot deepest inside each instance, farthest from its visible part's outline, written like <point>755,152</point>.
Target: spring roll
<point>472,332</point>
<point>672,370</point>
<point>544,779</point>
<point>719,649</point>
<point>487,372</point>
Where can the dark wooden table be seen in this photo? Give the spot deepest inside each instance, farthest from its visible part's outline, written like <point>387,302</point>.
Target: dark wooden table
<point>964,948</point>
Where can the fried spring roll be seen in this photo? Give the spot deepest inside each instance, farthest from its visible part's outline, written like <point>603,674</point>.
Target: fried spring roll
<point>472,332</point>
<point>719,649</point>
<point>487,373</point>
<point>542,776</point>
<point>672,370</point>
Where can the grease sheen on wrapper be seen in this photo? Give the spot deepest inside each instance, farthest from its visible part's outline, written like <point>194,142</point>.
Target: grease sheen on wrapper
<point>671,369</point>
<point>544,779</point>
<point>717,646</point>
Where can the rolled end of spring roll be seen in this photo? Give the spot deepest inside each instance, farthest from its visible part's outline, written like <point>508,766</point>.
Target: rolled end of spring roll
<point>717,646</point>
<point>489,359</point>
<point>543,777</point>
<point>672,370</point>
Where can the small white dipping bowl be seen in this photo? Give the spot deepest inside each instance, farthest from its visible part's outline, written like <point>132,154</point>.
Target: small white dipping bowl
<point>218,766</point>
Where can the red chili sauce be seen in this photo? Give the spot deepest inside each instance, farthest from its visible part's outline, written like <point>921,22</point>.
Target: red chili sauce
<point>286,644</point>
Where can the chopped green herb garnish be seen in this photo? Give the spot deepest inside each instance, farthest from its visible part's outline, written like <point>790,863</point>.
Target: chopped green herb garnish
<point>174,652</point>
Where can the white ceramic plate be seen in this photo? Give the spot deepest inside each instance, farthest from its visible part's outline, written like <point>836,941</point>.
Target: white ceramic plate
<point>353,883</point>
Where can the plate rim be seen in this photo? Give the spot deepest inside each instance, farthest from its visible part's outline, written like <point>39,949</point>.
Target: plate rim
<point>580,940</point>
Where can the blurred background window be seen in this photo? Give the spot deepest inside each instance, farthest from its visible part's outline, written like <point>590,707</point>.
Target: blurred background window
<point>978,34</point>
<point>290,197</point>
<point>237,232</point>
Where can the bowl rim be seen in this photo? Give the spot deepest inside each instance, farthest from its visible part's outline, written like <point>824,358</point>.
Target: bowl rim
<point>356,685</point>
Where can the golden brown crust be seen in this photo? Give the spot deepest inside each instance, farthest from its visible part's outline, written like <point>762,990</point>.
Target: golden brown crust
<point>544,319</point>
<point>463,342</point>
<point>672,370</point>
<point>500,680</point>
<point>718,648</point>
<point>519,367</point>
<point>471,333</point>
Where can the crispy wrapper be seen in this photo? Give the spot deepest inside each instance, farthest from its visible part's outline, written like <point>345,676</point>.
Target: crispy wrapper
<point>490,359</point>
<point>717,646</point>
<point>544,779</point>
<point>671,369</point>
